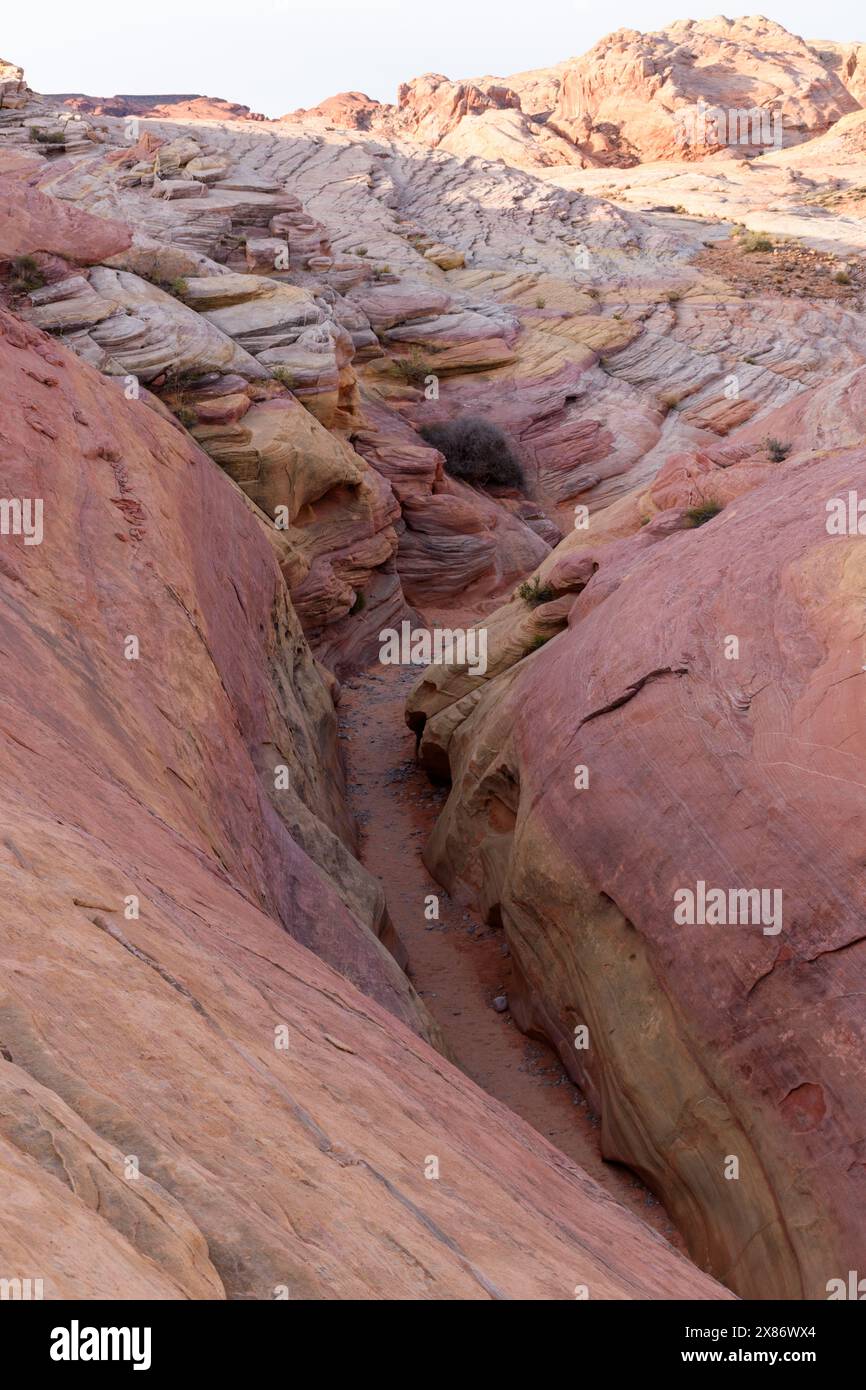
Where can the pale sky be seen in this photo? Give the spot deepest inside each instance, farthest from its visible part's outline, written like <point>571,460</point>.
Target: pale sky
<point>277,55</point>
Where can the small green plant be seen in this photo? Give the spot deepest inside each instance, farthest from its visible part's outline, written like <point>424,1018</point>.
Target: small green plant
<point>777,452</point>
<point>539,640</point>
<point>540,301</point>
<point>673,296</point>
<point>26,275</point>
<point>415,368</point>
<point>176,287</point>
<point>39,136</point>
<point>842,277</point>
<point>703,512</point>
<point>180,379</point>
<point>362,251</point>
<point>756,241</point>
<point>176,386</point>
<point>645,520</point>
<point>534,592</point>
<point>680,209</point>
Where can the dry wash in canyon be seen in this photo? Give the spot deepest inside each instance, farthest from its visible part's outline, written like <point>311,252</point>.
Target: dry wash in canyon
<point>345,977</point>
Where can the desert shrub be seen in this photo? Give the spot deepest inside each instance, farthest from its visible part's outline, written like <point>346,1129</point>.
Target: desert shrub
<point>540,301</point>
<point>182,379</point>
<point>177,287</point>
<point>26,275</point>
<point>47,137</point>
<point>176,388</point>
<point>756,241</point>
<point>673,296</point>
<point>415,368</point>
<point>842,277</point>
<point>704,512</point>
<point>535,592</point>
<point>476,451</point>
<point>777,451</point>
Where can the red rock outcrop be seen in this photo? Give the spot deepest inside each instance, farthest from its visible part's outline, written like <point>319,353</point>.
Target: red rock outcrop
<point>354,110</point>
<point>633,97</point>
<point>177,107</point>
<point>432,106</point>
<point>14,91</point>
<point>847,61</point>
<point>30,222</point>
<point>631,88</point>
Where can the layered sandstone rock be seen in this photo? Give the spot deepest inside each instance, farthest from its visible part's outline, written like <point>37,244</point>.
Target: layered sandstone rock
<point>632,98</point>
<point>355,110</point>
<point>176,107</point>
<point>456,543</point>
<point>193,1102</point>
<point>30,222</point>
<point>847,61</point>
<point>169,314</point>
<point>631,88</point>
<point>13,89</point>
<point>705,1042</point>
<point>303,302</point>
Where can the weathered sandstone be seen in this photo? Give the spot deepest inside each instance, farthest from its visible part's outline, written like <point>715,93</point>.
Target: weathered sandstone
<point>705,1042</point>
<point>193,1103</point>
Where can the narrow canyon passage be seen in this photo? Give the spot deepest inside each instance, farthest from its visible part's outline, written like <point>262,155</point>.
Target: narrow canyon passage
<point>458,965</point>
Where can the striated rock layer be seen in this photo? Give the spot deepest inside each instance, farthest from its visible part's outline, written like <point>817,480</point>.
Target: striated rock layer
<point>632,98</point>
<point>218,1001</point>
